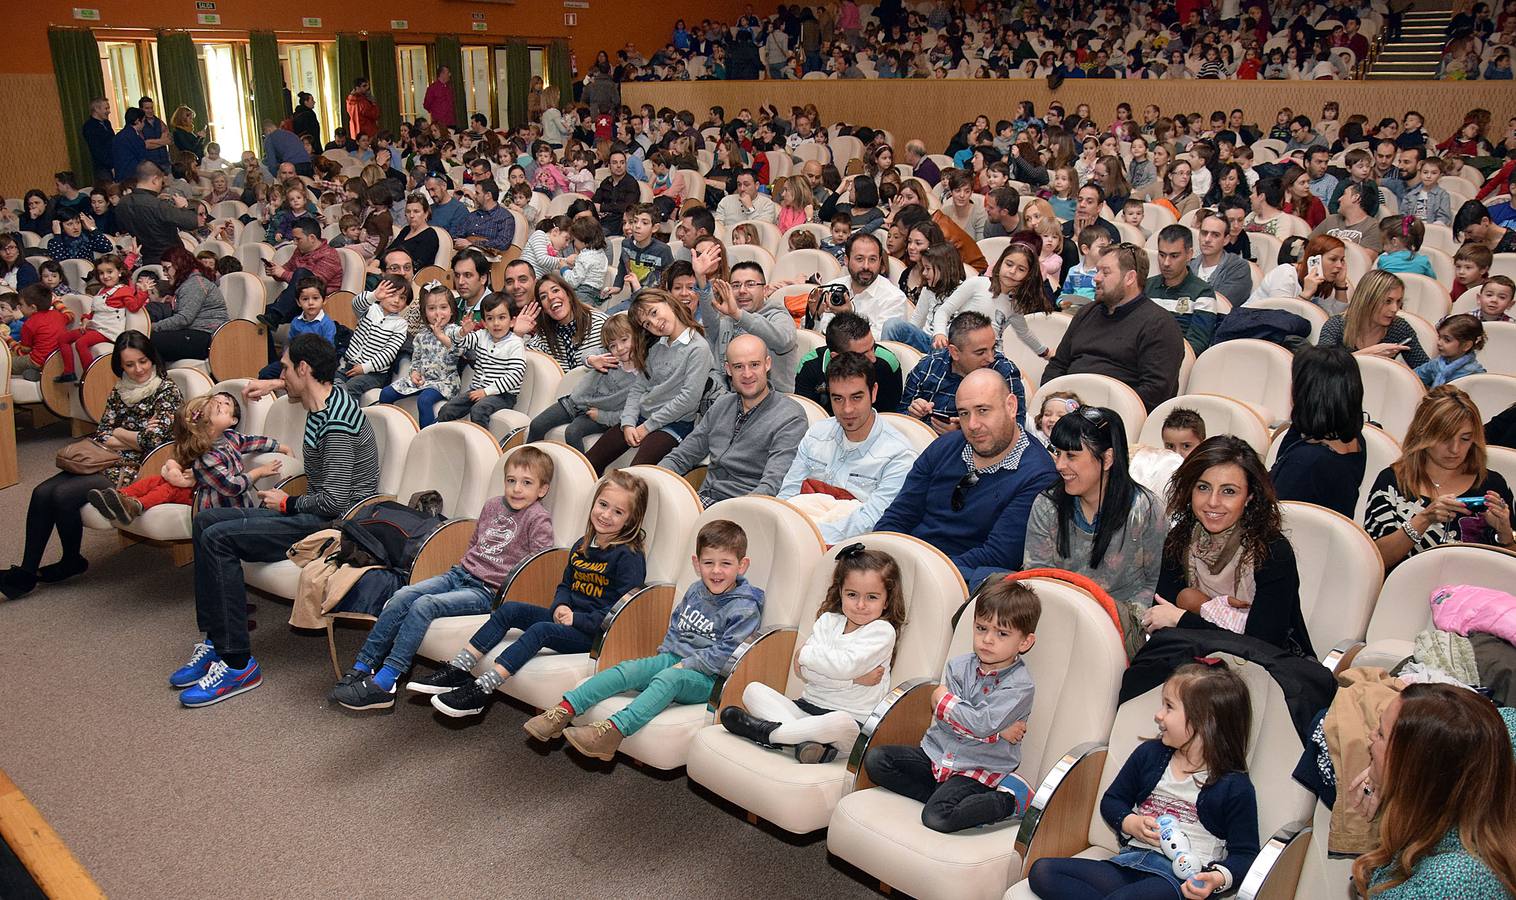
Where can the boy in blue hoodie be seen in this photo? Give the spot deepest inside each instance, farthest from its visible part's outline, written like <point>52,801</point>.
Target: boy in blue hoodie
<point>717,614</point>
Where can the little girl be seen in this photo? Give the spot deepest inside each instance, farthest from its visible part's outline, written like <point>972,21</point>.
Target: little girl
<point>546,244</point>
<point>50,274</point>
<point>549,177</point>
<point>206,471</point>
<point>581,177</point>
<point>595,405</point>
<point>1064,192</point>
<point>744,235</point>
<point>1019,292</point>
<point>1402,237</point>
<point>521,202</point>
<point>434,356</point>
<point>1050,257</point>
<point>1054,407</point>
<point>845,664</point>
<point>1196,773</point>
<point>1458,339</point>
<point>106,317</point>
<point>586,268</point>
<point>604,565</point>
<point>796,206</point>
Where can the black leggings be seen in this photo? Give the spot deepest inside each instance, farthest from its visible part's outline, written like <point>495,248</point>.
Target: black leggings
<point>55,505</point>
<point>612,444</point>
<point>184,344</point>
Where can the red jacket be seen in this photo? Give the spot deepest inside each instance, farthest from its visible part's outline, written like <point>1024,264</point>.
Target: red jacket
<point>362,115</point>
<point>323,262</point>
<point>42,332</point>
<point>438,104</point>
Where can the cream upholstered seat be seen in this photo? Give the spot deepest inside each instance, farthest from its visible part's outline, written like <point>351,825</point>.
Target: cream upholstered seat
<point>785,549</point>
<point>807,339</point>
<point>992,247</point>
<point>916,432</point>
<point>244,295</point>
<point>1048,328</point>
<point>538,391</point>
<point>1493,394</point>
<point>1499,354</point>
<point>284,420</point>
<point>1425,297</point>
<point>908,356</point>
<point>394,430</point>
<point>1253,371</point>
<point>352,269</point>
<point>802,264</point>
<point>1340,572</point>
<point>1284,806</point>
<point>1502,460</point>
<point>1404,609</point>
<point>1099,390</point>
<point>772,785</point>
<point>753,253</point>
<point>1391,393</point>
<point>1222,415</point>
<point>1077,665</point>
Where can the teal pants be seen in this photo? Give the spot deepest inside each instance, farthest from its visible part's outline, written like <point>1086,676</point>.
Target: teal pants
<point>661,686</point>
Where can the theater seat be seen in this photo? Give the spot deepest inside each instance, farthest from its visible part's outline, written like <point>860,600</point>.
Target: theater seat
<point>1100,390</point>
<point>1380,451</point>
<point>1391,393</point>
<point>1222,415</point>
<point>916,432</point>
<point>1253,371</point>
<point>1493,394</point>
<point>284,421</point>
<point>1077,665</point>
<point>771,784</point>
<point>538,391</point>
<point>1340,571</point>
<point>1302,308</point>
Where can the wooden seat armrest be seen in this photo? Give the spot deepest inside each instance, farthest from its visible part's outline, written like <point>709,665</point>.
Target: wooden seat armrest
<point>635,626</point>
<point>764,657</point>
<point>357,508</point>
<point>902,717</point>
<point>1057,822</point>
<point>536,579</point>
<point>443,550</point>
<point>295,486</point>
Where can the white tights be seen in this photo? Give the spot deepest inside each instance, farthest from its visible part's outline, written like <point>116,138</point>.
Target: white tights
<point>796,725</point>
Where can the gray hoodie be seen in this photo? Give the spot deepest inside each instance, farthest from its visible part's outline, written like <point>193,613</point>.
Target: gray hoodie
<point>1232,277</point>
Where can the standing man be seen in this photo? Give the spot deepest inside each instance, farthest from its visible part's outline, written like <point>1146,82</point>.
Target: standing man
<point>1189,297</point>
<point>741,307</point>
<point>148,217</point>
<point>362,111</point>
<point>98,136</point>
<point>152,134</point>
<point>439,99</point>
<point>341,467</point>
<point>1228,274</point>
<point>128,149</point>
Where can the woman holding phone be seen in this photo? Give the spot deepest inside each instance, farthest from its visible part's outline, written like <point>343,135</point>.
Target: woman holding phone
<point>1320,277</point>
<point>1372,324</point>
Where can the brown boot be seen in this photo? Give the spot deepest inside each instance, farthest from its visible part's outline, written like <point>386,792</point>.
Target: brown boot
<point>548,724</point>
<point>598,739</point>
<point>131,509</point>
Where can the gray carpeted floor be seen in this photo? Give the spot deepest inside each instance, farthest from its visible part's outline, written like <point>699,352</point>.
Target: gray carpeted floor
<point>272,794</point>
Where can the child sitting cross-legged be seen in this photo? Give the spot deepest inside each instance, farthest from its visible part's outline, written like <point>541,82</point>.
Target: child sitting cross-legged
<point>510,528</point>
<point>845,664</point>
<point>606,564</point>
<point>716,615</point>
<point>964,771</point>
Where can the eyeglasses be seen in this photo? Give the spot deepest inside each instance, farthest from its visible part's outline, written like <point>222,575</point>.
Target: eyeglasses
<point>960,492</point>
<point>747,285</point>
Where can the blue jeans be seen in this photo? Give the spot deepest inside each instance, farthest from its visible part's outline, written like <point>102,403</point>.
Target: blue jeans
<point>358,385</point>
<point>1077,879</point>
<point>224,539</point>
<point>403,622</point>
<point>538,630</point>
<point>425,399</point>
<point>906,333</point>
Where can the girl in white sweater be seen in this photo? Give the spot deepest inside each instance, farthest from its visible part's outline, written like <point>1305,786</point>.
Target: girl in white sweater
<point>845,664</point>
<point>585,269</point>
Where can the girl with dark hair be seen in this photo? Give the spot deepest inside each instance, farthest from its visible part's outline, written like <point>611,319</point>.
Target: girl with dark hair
<point>139,415</point>
<point>1322,458</point>
<point>1226,561</point>
<point>946,291</point>
<point>198,309</point>
<point>1096,521</point>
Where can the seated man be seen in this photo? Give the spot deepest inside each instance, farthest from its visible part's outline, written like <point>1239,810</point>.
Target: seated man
<point>742,307</point>
<point>1189,297</point>
<point>871,293</point>
<point>749,434</point>
<point>970,494</point>
<point>849,332</point>
<point>931,387</point>
<point>848,468</point>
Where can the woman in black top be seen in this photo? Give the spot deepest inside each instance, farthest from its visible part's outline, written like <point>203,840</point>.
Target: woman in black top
<point>1501,430</point>
<point>1322,458</point>
<point>417,238</point>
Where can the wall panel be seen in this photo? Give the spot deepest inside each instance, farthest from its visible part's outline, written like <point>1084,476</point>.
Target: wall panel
<point>31,146</point>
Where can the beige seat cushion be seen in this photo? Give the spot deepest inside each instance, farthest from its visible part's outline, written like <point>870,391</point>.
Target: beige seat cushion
<point>169,522</point>
<point>664,743</point>
<point>282,578</point>
<point>1023,891</point>
<point>799,798</point>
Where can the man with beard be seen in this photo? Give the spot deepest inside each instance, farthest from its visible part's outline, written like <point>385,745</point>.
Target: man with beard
<point>876,299</point>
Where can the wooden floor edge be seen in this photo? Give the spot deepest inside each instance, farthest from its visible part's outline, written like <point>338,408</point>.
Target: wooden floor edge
<point>39,848</point>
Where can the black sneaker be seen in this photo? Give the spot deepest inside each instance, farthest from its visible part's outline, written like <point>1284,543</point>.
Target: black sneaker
<point>353,676</point>
<point>63,570</point>
<point>364,694</point>
<point>101,499</point>
<point>814,752</point>
<point>468,700</point>
<point>17,582</point>
<point>65,378</point>
<point>447,678</point>
<point>739,722</point>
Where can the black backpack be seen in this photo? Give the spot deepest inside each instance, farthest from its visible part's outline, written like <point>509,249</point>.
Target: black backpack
<point>388,534</point>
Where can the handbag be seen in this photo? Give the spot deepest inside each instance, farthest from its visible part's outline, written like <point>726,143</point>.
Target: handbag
<point>86,457</point>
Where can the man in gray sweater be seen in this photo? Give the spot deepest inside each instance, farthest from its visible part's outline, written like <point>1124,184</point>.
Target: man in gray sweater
<point>1229,275</point>
<point>739,308</point>
<point>751,434</point>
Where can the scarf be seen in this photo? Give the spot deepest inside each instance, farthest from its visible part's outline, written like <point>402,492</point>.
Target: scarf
<point>133,393</point>
<point>1443,371</point>
<point>1215,564</point>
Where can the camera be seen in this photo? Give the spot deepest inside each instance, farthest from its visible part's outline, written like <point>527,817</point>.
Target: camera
<point>834,295</point>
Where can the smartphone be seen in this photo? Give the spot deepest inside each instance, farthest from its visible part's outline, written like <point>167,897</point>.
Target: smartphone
<point>946,417</point>
<point>1473,502</point>
<point>1313,265</point>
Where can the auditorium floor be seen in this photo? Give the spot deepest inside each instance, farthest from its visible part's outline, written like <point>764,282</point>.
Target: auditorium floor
<point>272,794</point>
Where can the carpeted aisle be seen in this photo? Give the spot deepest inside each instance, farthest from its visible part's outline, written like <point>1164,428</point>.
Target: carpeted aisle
<point>272,794</point>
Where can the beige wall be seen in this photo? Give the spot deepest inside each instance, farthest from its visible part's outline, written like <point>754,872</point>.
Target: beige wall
<point>31,144</point>
<point>933,110</point>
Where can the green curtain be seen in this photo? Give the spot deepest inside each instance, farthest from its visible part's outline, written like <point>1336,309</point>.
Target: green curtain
<point>446,52</point>
<point>350,65</point>
<point>76,66</point>
<point>558,67</point>
<point>518,81</point>
<point>179,65</point>
<point>268,79</point>
<point>384,80</point>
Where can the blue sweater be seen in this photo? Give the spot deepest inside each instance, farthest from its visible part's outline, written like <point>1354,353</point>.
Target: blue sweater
<point>990,530</point>
<point>595,579</point>
<point>1227,809</point>
<point>706,629</point>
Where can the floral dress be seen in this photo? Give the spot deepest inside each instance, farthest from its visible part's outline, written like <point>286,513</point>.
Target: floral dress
<point>153,420</point>
<point>437,364</point>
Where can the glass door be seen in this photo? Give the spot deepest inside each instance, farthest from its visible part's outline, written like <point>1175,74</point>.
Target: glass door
<point>415,75</point>
<point>127,75</point>
<point>477,83</point>
<point>307,68</point>
<point>502,78</point>
<point>226,89</point>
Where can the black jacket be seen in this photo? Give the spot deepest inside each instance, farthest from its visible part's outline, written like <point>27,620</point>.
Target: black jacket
<point>154,222</point>
<point>1275,617</point>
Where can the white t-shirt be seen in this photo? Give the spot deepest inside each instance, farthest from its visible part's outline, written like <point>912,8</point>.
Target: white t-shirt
<point>1176,796</point>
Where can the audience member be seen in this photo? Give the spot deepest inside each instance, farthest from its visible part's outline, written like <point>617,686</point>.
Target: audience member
<point>1322,457</point>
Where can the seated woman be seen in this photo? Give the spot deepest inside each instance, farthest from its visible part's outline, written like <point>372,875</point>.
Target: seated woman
<point>1322,458</point>
<point>1096,521</point>
<point>1226,561</point>
<point>139,415</point>
<point>198,309</point>
<point>1320,276</point>
<point>1420,502</point>
<point>1440,753</point>
<point>558,323</point>
<point>1372,325</point>
<point>417,238</point>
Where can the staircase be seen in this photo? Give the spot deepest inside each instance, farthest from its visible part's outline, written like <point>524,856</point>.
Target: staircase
<point>1415,51</point>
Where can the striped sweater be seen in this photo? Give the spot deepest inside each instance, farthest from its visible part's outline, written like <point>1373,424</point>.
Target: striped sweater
<point>377,339</point>
<point>568,348</point>
<point>341,458</point>
<point>498,364</point>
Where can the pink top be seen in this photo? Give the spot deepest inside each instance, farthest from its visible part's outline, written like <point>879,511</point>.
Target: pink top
<point>1052,267</point>
<point>789,218</point>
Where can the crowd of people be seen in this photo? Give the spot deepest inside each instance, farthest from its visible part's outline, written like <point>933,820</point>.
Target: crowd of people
<point>691,356</point>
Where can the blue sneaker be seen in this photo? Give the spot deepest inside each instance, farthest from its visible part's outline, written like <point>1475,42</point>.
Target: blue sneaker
<point>194,670</point>
<point>221,682</point>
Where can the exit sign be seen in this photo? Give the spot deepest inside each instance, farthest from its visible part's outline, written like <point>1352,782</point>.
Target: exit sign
<point>399,24</point>
<point>310,22</point>
<point>481,26</point>
<point>87,15</point>
<point>209,18</point>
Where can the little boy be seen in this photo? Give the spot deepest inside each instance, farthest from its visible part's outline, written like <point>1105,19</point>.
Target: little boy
<point>511,528</point>
<point>1427,201</point>
<point>1183,431</point>
<point>497,355</point>
<point>717,614</point>
<point>1131,213</point>
<point>1360,166</point>
<point>1471,266</point>
<point>1495,298</point>
<point>842,229</point>
<point>312,320</point>
<point>352,233</point>
<point>964,771</point>
<point>11,316</point>
<point>1079,284</point>
<point>642,254</point>
<point>377,340</point>
<point>521,202</point>
<point>41,334</point>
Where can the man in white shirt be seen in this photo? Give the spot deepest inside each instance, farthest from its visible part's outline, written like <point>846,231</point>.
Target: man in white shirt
<point>870,295</point>
<point>747,205</point>
<point>803,133</point>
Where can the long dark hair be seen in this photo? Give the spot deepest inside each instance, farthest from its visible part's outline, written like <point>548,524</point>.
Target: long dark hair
<point>136,340</point>
<point>1097,430</point>
<point>1326,389</point>
<point>1261,522</point>
<point>1219,712</point>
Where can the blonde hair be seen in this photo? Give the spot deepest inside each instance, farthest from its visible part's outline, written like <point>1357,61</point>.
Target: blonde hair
<point>1372,292</point>
<point>1442,414</point>
<point>194,435</point>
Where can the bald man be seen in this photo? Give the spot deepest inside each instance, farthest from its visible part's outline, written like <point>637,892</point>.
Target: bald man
<point>970,494</point>
<point>812,172</point>
<point>750,434</point>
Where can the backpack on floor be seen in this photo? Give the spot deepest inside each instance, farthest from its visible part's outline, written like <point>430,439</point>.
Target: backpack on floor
<point>388,534</point>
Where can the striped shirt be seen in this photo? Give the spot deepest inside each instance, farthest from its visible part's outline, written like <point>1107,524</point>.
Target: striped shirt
<point>378,338</point>
<point>565,347</point>
<point>498,364</point>
<point>341,458</point>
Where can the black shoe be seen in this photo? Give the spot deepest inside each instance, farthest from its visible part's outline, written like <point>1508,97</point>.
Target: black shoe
<point>270,319</point>
<point>813,752</point>
<point>17,582</point>
<point>739,722</point>
<point>364,694</point>
<point>353,676</point>
<point>448,678</point>
<point>65,378</point>
<point>468,700</point>
<point>63,570</point>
